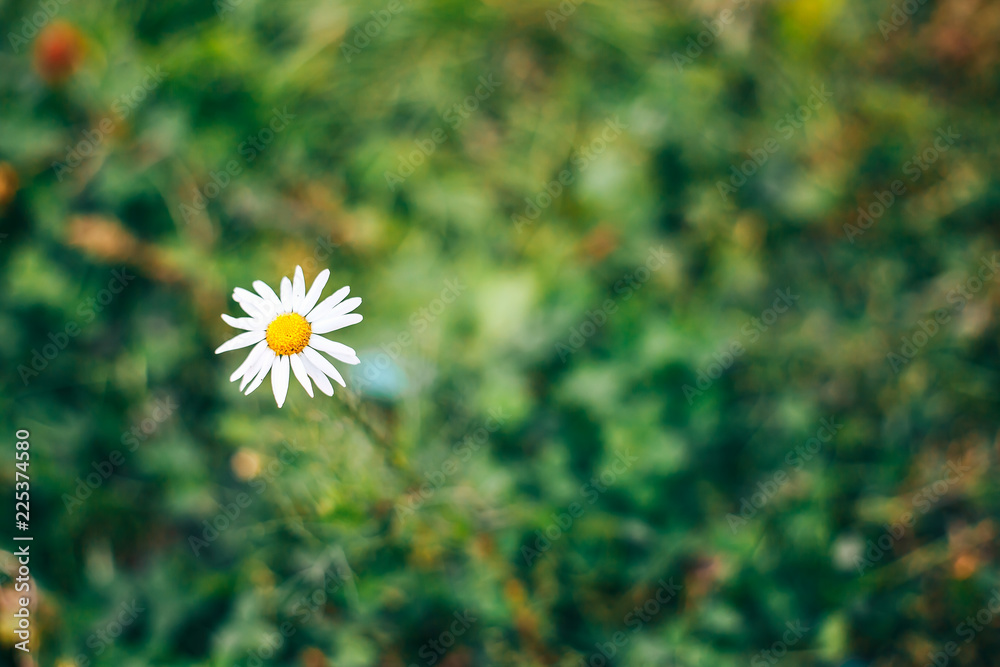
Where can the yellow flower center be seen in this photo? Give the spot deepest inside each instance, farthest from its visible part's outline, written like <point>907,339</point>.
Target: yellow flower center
<point>288,334</point>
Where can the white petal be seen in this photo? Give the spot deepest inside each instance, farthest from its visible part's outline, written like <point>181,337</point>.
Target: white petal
<point>245,323</point>
<point>243,340</point>
<point>246,296</point>
<point>300,373</point>
<point>320,362</point>
<point>263,367</point>
<point>336,350</point>
<point>336,322</point>
<point>298,287</point>
<point>279,379</point>
<point>252,307</point>
<point>286,294</point>
<point>267,293</point>
<point>249,362</point>
<point>345,307</point>
<point>328,304</point>
<point>314,293</point>
<point>322,382</point>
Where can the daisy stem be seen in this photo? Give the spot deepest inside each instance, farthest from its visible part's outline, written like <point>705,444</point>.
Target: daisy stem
<point>381,439</point>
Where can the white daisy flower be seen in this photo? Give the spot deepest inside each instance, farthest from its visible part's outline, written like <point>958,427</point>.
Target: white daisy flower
<point>285,334</point>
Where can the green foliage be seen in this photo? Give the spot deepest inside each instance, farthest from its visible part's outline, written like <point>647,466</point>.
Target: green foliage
<point>680,331</point>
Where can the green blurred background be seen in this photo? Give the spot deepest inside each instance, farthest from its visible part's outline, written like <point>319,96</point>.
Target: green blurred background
<point>640,383</point>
